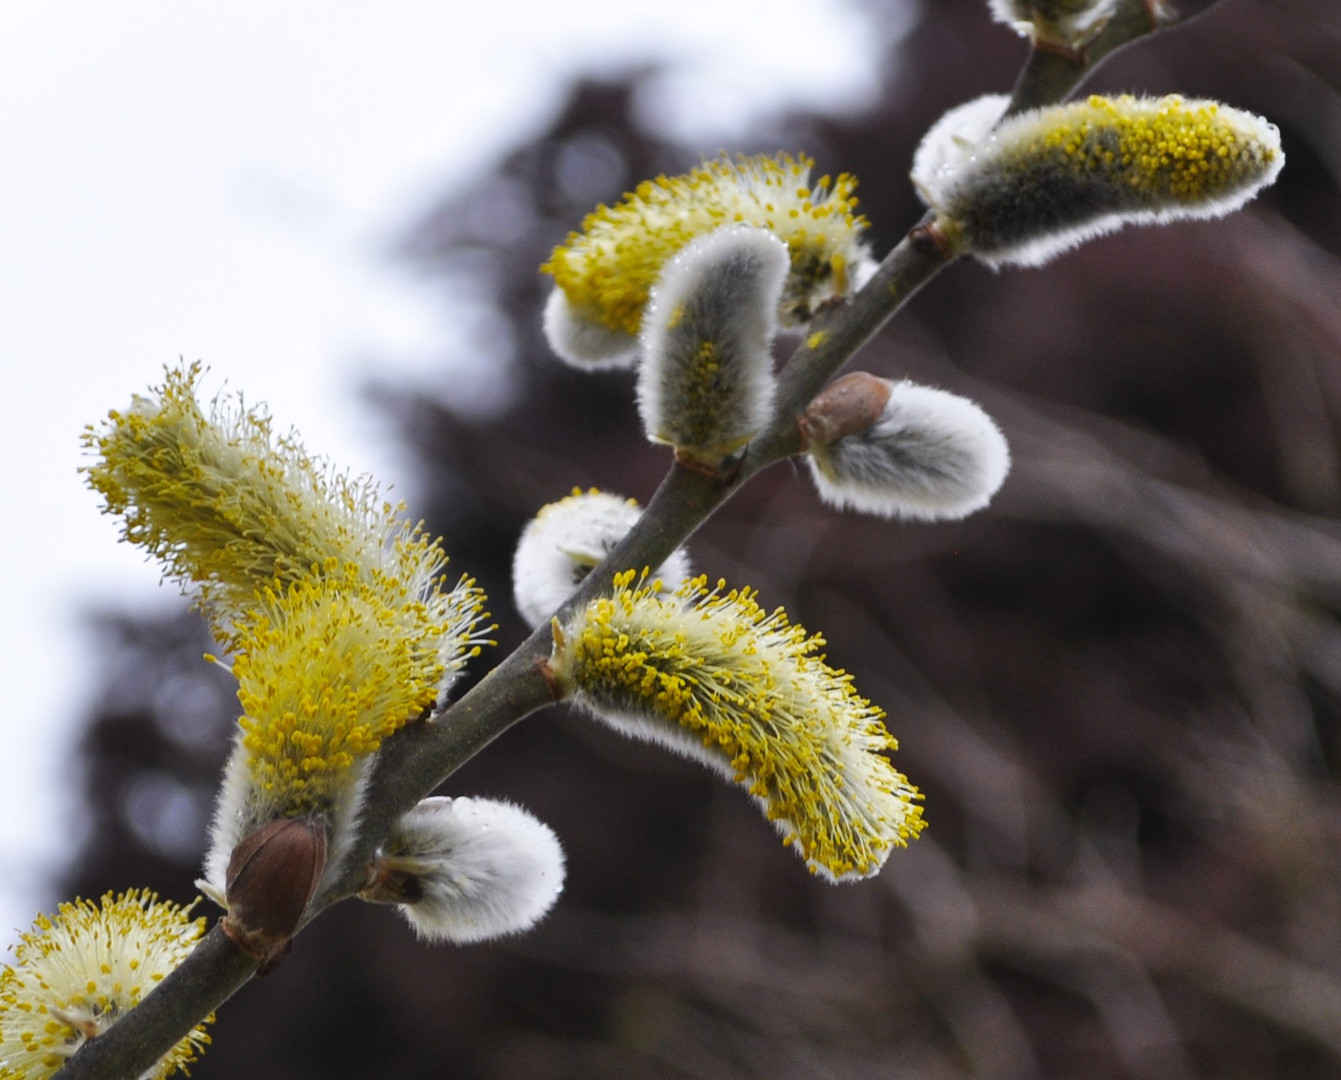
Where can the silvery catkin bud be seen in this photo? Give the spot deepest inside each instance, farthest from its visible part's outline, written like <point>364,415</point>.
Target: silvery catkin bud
<point>1047,180</point>
<point>902,450</point>
<point>566,540</point>
<point>468,869</point>
<point>706,385</point>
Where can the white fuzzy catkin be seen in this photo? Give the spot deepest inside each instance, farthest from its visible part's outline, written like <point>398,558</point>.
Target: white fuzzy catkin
<point>952,143</point>
<point>485,868</point>
<point>585,343</point>
<point>931,455</point>
<point>706,384</point>
<point>566,540</point>
<point>1043,181</point>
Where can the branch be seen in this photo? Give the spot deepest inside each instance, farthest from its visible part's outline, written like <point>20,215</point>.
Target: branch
<point>418,758</point>
<point>1049,76</point>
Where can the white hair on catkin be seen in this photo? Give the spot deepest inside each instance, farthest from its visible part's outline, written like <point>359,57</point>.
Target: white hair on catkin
<point>486,868</point>
<point>952,142</point>
<point>1063,22</point>
<point>706,384</point>
<point>931,455</point>
<point>585,343</point>
<point>563,543</point>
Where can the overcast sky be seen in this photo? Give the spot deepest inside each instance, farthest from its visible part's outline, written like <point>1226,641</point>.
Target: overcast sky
<point>219,182</point>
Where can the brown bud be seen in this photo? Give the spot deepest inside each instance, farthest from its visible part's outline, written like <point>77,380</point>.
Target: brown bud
<point>391,884</point>
<point>271,877</point>
<point>847,405</point>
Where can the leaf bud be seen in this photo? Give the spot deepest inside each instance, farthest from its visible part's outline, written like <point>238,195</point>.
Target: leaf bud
<point>271,878</point>
<point>849,404</point>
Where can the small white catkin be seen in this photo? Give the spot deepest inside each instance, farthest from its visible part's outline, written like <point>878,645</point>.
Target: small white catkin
<point>585,343</point>
<point>930,455</point>
<point>485,868</point>
<point>565,541</point>
<point>705,385</point>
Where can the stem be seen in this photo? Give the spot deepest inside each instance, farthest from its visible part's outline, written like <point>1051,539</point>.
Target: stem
<point>417,758</point>
<point>835,336</point>
<point>1049,76</point>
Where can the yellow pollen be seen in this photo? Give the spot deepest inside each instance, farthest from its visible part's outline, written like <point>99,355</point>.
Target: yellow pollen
<point>609,266</point>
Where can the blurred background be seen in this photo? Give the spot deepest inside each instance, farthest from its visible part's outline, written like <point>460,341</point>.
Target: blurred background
<point>1119,688</point>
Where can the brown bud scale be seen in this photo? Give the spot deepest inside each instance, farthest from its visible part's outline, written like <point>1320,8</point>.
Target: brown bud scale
<point>391,884</point>
<point>271,878</point>
<point>847,405</point>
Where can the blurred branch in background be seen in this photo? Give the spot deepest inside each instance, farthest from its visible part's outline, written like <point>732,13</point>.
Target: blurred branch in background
<point>1120,689</point>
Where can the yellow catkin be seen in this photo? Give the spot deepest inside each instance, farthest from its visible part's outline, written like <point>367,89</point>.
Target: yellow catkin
<point>713,675</point>
<point>326,670</point>
<point>229,506</point>
<point>79,971</point>
<point>608,267</point>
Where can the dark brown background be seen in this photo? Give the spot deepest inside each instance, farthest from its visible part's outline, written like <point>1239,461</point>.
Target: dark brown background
<point>1119,688</point>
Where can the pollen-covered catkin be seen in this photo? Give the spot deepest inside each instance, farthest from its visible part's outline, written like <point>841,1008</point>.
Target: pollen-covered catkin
<point>926,454</point>
<point>712,675</point>
<point>566,540</point>
<point>78,972</point>
<point>468,869</point>
<point>326,670</point>
<point>1046,180</point>
<point>604,273</point>
<point>705,385</point>
<point>230,507</point>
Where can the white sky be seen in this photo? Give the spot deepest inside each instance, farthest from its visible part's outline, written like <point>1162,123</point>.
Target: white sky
<point>215,182</point>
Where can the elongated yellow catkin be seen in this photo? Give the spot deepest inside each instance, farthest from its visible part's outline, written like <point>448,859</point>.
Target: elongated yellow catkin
<point>713,676</point>
<point>330,602</point>
<point>229,507</point>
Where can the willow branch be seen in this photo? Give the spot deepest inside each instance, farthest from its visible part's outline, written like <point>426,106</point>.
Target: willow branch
<point>1049,75</point>
<point>418,758</point>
